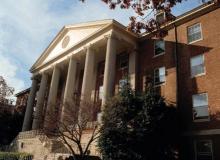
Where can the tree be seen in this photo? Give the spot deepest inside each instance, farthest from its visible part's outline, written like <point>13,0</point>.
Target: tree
<point>144,10</point>
<point>11,124</point>
<point>10,119</point>
<point>139,127</point>
<point>78,118</point>
<point>5,91</point>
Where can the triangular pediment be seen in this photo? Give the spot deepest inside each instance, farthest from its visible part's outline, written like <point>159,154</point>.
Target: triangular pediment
<point>67,38</point>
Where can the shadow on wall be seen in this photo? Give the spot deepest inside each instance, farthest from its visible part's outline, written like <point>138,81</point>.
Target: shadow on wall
<point>176,54</point>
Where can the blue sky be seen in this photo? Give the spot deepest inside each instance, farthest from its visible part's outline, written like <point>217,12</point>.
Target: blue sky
<point>28,26</point>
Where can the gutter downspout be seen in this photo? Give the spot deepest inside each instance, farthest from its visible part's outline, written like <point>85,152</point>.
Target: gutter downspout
<point>177,65</point>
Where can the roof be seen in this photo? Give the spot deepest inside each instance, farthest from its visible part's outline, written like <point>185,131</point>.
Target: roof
<point>22,92</point>
<point>187,16</point>
<point>102,24</point>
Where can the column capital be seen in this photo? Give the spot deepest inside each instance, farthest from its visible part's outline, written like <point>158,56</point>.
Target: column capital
<point>88,47</point>
<point>35,77</point>
<point>111,36</point>
<point>56,65</point>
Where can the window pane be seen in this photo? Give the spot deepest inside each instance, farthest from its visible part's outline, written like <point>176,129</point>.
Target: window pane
<point>100,92</point>
<point>200,100</point>
<point>197,36</point>
<point>204,146</point>
<point>200,106</point>
<point>159,75</point>
<point>196,70</point>
<point>159,47</point>
<point>197,65</point>
<point>162,71</point>
<point>204,150</point>
<point>197,60</point>
<point>160,18</point>
<point>162,78</point>
<point>194,33</point>
<point>200,113</point>
<point>157,80</point>
<point>122,83</point>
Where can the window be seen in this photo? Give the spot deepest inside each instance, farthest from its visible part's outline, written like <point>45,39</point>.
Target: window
<point>203,150</point>
<point>159,47</point>
<point>200,107</point>
<point>122,83</point>
<point>159,75</point>
<point>123,61</point>
<point>197,65</point>
<point>194,33</point>
<point>160,17</point>
<point>100,92</point>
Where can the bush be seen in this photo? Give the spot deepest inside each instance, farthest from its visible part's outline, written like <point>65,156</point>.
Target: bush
<point>15,156</point>
<point>86,158</point>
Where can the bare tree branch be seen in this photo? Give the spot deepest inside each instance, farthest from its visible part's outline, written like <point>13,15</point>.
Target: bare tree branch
<point>74,125</point>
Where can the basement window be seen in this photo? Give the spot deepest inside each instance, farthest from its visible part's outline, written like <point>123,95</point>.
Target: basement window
<point>204,150</point>
<point>194,33</point>
<point>200,107</point>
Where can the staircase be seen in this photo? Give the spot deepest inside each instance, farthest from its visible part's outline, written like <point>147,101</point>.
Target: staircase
<point>40,145</point>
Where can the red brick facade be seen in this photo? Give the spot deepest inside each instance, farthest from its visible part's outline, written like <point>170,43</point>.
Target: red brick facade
<point>179,88</point>
<point>181,93</point>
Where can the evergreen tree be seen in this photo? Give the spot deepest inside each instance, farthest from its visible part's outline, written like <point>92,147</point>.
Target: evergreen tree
<point>139,127</point>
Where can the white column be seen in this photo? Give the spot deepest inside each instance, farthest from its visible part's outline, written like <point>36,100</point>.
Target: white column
<point>88,75</point>
<point>38,119</point>
<point>29,109</point>
<point>132,70</point>
<point>70,87</point>
<point>109,73</point>
<point>51,104</point>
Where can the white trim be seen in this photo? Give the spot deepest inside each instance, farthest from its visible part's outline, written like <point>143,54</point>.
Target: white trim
<point>202,120</point>
<point>159,55</point>
<point>199,75</point>
<point>205,140</point>
<point>202,132</point>
<point>200,32</point>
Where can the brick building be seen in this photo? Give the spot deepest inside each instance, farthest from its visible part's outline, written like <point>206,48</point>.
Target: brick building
<point>21,101</point>
<point>92,58</point>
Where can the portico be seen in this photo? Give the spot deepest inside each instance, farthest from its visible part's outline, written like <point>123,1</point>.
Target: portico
<point>71,65</point>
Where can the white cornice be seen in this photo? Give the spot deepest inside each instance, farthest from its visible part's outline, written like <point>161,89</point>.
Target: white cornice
<point>107,25</point>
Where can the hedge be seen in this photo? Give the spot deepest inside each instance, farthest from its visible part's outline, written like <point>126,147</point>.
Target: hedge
<point>15,156</point>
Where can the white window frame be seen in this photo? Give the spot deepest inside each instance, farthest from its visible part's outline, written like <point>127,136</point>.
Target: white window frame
<point>100,96</point>
<point>159,14</point>
<point>200,31</point>
<point>161,83</point>
<point>119,82</point>
<point>200,74</point>
<point>195,147</point>
<point>205,119</point>
<point>123,58</point>
<point>155,48</point>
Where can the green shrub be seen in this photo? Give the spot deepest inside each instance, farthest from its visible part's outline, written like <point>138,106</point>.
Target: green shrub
<point>15,156</point>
